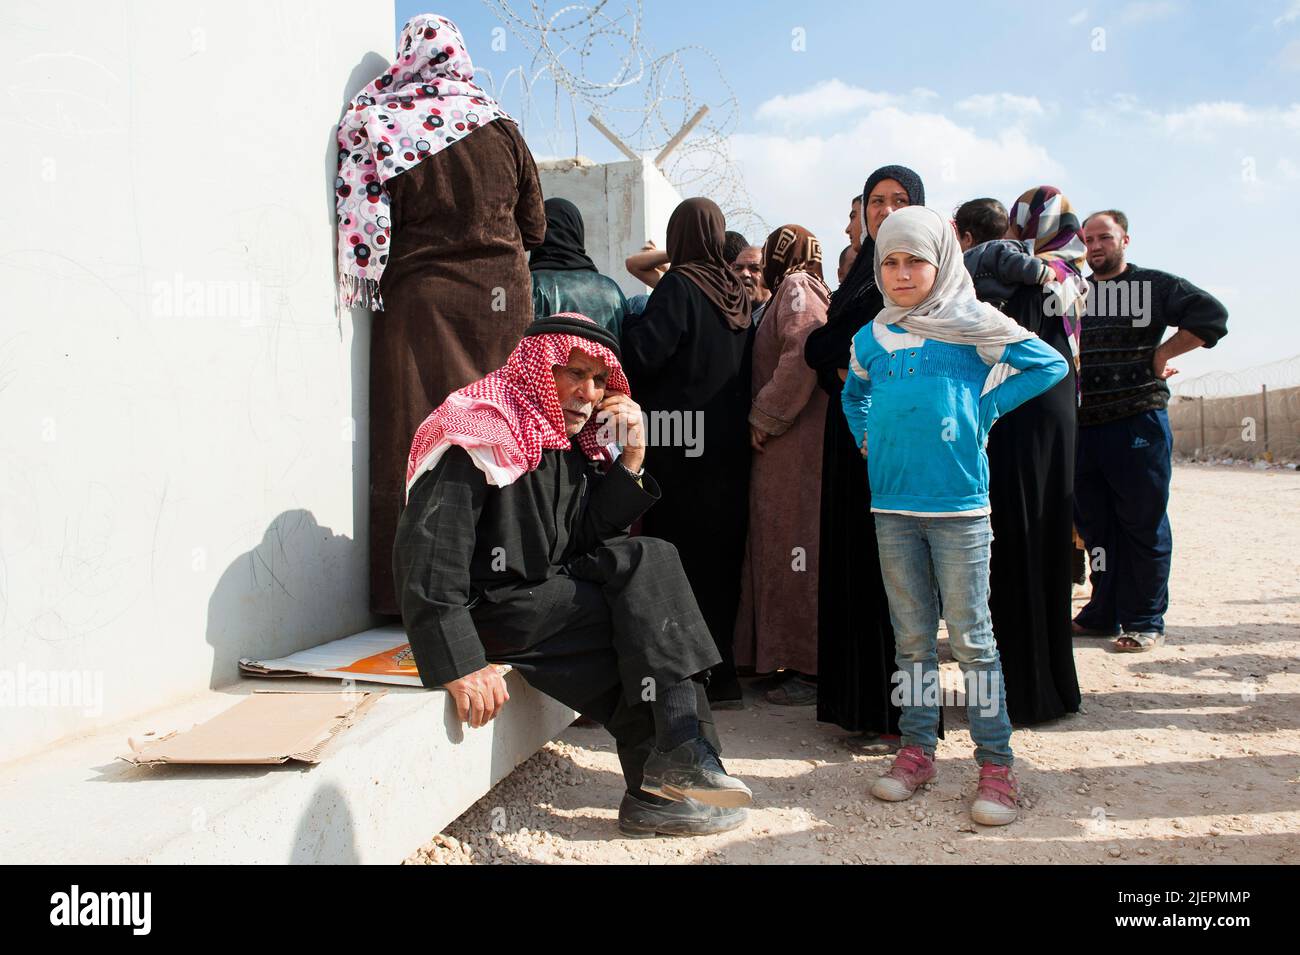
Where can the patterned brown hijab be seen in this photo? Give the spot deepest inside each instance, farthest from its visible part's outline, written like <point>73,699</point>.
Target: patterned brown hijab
<point>695,236</point>
<point>791,248</point>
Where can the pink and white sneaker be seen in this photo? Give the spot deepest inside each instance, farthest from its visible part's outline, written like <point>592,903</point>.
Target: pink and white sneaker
<point>911,769</point>
<point>997,802</point>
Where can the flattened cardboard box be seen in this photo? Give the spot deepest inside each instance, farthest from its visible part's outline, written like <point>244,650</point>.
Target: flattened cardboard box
<point>381,655</point>
<point>270,726</point>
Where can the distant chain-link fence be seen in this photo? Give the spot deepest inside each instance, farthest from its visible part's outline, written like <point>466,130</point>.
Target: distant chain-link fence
<point>1252,414</point>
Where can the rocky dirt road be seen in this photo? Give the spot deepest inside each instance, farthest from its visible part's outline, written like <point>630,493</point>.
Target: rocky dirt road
<point>1190,753</point>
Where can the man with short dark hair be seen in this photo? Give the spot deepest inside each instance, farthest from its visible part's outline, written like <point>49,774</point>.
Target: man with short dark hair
<point>513,548</point>
<point>1123,465</point>
<point>733,243</point>
<point>854,229</point>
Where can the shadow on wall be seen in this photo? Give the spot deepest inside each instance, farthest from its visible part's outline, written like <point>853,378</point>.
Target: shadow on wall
<point>371,65</point>
<point>276,598</point>
<point>272,600</point>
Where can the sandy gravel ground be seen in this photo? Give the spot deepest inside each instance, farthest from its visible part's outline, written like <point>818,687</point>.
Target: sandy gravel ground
<point>1190,753</point>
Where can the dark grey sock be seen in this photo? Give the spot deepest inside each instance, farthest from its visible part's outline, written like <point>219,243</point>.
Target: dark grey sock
<point>676,715</point>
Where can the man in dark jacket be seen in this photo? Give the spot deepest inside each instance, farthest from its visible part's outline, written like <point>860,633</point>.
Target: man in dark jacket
<point>513,548</point>
<point>1123,467</point>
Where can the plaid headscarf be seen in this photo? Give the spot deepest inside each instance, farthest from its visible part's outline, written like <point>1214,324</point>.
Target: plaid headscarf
<point>1044,217</point>
<point>506,418</point>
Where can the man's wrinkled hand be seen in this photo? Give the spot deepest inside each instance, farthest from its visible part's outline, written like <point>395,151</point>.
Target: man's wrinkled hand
<point>620,417</point>
<point>479,695</point>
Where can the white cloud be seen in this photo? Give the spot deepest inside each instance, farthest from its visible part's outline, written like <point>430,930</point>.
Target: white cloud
<point>988,104</point>
<point>1211,120</point>
<point>1292,14</point>
<point>1083,15</point>
<point>829,99</point>
<point>1145,12</point>
<point>1207,121</point>
<point>1203,118</point>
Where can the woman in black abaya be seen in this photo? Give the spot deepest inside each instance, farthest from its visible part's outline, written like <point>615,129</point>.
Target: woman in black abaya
<point>687,357</point>
<point>855,640</point>
<point>1031,480</point>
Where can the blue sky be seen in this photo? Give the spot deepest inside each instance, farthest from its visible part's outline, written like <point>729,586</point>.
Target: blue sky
<point>1185,115</point>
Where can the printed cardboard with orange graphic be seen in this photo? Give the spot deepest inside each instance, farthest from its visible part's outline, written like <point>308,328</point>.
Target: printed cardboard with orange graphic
<point>382,655</point>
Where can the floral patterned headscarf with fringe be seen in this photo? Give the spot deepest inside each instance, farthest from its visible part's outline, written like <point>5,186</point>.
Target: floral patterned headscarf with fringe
<point>426,101</point>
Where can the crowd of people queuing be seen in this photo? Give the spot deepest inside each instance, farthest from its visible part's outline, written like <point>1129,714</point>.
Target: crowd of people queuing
<point>637,502</point>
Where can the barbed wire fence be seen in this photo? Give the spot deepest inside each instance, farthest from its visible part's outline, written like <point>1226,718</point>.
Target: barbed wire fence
<point>1275,376</point>
<point>593,59</point>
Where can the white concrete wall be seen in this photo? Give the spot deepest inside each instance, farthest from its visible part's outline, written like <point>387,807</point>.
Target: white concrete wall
<point>622,204</point>
<point>179,479</point>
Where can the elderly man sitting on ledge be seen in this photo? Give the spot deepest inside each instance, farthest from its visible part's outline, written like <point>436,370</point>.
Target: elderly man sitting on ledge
<point>513,548</point>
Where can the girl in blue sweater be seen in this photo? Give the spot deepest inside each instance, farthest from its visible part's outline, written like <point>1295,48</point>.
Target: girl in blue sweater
<point>928,378</point>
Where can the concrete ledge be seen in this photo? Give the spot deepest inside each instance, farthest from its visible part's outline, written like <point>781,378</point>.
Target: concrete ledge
<point>386,785</point>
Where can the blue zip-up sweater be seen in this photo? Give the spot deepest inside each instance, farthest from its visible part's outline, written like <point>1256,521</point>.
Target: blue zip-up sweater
<point>925,408</point>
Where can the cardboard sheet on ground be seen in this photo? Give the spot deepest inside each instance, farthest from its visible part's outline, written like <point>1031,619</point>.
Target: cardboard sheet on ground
<point>271,726</point>
<point>382,655</point>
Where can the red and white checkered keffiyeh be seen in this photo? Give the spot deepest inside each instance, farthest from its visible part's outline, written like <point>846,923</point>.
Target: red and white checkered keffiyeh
<point>505,419</point>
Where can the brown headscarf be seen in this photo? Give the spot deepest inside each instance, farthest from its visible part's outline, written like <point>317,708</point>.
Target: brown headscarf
<point>695,237</point>
<point>791,248</point>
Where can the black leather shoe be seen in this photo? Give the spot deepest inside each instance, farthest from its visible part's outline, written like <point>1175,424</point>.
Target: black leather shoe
<point>639,819</point>
<point>694,771</point>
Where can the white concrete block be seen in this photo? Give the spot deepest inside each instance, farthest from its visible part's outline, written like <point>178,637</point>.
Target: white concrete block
<point>622,205</point>
<point>386,786</point>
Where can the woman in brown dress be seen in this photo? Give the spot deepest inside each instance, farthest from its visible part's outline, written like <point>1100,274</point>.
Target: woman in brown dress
<point>438,203</point>
<point>775,628</point>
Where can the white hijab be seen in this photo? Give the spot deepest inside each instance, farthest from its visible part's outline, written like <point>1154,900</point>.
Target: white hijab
<point>951,312</point>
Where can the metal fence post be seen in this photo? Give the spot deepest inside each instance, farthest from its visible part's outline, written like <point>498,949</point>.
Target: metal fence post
<point>1263,390</point>
<point>1200,404</point>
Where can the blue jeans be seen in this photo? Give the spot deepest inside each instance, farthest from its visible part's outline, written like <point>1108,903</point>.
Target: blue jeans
<point>923,560</point>
<point>1121,496</point>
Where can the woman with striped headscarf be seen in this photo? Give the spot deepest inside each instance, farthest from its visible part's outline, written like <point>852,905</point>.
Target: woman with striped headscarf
<point>1031,477</point>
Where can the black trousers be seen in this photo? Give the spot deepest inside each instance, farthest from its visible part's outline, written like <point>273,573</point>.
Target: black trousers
<point>603,636</point>
<point>1121,505</point>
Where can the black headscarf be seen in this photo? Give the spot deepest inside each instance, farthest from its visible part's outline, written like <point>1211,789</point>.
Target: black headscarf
<point>695,238</point>
<point>857,300</point>
<point>564,247</point>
